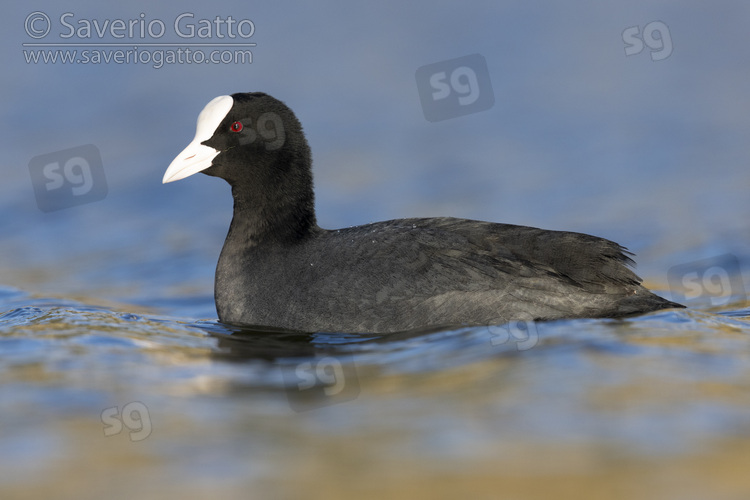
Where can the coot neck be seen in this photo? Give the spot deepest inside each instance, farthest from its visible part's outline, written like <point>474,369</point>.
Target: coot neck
<point>256,221</point>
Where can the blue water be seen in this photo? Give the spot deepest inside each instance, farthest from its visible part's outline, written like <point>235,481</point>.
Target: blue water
<point>114,366</point>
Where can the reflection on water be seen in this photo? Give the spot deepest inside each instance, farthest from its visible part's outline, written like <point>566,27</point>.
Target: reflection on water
<point>93,397</point>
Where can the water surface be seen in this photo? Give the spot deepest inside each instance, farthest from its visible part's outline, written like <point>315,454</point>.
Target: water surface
<point>99,400</point>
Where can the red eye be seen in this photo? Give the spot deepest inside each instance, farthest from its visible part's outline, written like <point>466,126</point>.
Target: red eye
<point>236,127</point>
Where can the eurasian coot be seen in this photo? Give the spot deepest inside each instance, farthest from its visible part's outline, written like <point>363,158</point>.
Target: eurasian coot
<point>279,269</point>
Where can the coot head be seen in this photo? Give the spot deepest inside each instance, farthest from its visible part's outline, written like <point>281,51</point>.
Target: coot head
<point>255,143</point>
